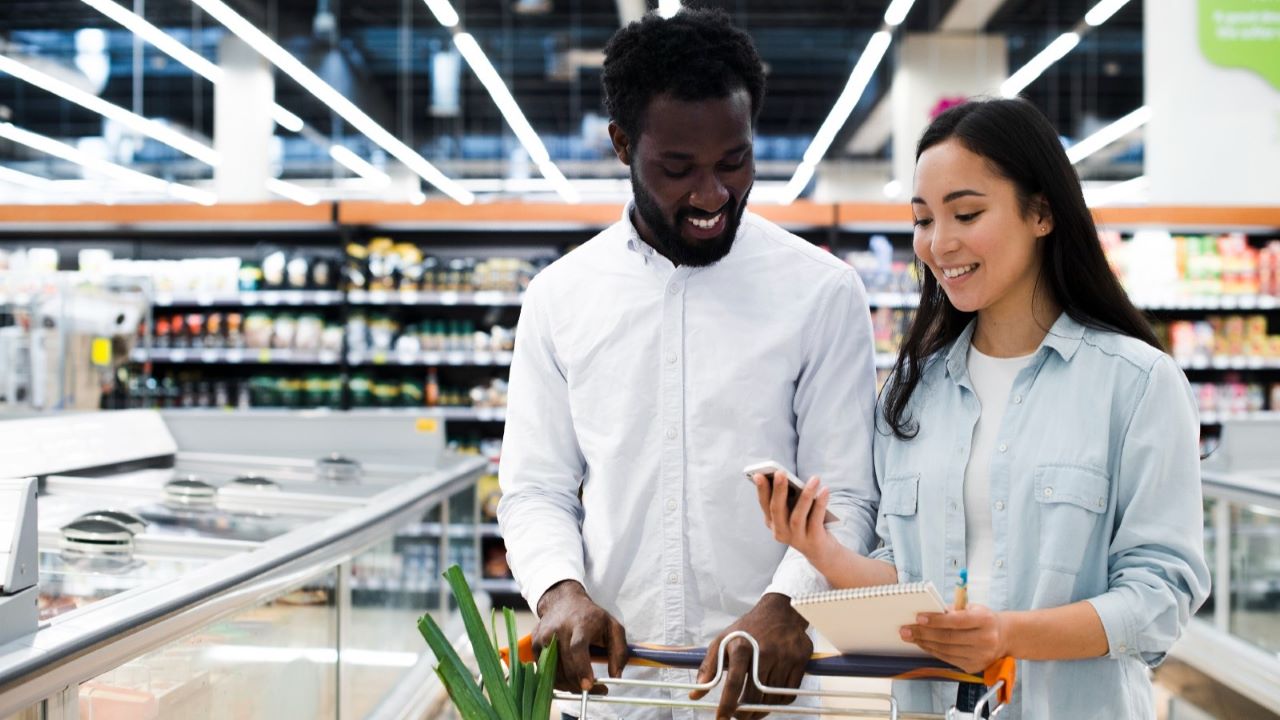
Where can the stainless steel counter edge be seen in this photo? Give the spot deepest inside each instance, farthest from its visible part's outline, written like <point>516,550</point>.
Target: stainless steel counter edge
<point>106,635</point>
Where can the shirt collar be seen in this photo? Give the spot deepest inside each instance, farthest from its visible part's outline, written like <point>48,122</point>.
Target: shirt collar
<point>632,236</point>
<point>1064,338</point>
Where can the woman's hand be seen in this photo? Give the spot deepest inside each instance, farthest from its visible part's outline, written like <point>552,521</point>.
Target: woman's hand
<point>801,527</point>
<point>971,639</point>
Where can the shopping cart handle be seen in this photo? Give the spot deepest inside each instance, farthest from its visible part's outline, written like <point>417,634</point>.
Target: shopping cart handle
<point>828,664</point>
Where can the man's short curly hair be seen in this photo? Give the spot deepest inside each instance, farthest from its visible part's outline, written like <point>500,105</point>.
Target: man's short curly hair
<point>695,55</point>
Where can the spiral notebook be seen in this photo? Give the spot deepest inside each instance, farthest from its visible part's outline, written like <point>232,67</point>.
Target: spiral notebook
<point>865,621</point>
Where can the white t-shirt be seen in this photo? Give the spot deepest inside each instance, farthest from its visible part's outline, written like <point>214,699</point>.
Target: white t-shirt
<point>992,379</point>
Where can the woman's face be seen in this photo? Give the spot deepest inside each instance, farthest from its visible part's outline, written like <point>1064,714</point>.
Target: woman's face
<point>971,232</point>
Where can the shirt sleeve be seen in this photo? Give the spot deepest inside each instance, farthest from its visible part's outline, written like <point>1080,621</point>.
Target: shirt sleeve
<point>834,401</point>
<point>1157,572</point>
<point>542,467</point>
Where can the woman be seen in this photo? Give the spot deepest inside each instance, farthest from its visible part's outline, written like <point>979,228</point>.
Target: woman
<point>1032,432</point>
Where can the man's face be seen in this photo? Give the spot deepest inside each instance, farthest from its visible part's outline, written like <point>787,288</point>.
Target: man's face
<point>691,171</point>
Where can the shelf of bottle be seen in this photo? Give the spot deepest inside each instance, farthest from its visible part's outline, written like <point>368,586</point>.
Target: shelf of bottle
<point>487,298</point>
<point>249,298</point>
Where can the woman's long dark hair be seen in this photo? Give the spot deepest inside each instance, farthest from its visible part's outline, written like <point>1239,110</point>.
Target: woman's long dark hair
<point>1021,145</point>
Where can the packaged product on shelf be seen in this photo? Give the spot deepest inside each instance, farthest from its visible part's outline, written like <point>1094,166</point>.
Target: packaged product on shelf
<point>431,392</point>
<point>273,271</point>
<point>382,264</point>
<point>284,331</point>
<point>408,343</point>
<point>331,338</point>
<point>250,277</point>
<point>214,332</point>
<point>296,272</point>
<point>314,391</point>
<point>411,392</point>
<point>162,337</point>
<point>386,392</point>
<point>290,391</point>
<point>361,387</point>
<point>382,331</point>
<point>307,334</point>
<point>235,338</point>
<point>258,330</point>
<point>356,272</point>
<point>323,276</point>
<point>195,330</point>
<point>357,332</point>
<point>410,267</point>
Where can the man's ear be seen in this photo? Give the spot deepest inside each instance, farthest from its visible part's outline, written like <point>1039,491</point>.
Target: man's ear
<point>621,143</point>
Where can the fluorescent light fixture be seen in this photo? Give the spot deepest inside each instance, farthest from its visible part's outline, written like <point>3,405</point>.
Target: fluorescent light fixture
<point>444,12</point>
<point>346,109</point>
<point>668,8</point>
<point>892,189</point>
<point>484,70</point>
<point>1103,11</point>
<point>1127,190</point>
<point>165,43</point>
<point>27,180</point>
<point>897,12</point>
<point>796,184</point>
<point>293,192</point>
<point>849,97</point>
<point>66,152</point>
<point>359,165</point>
<point>133,121</point>
<point>1109,134</point>
<point>1038,64</point>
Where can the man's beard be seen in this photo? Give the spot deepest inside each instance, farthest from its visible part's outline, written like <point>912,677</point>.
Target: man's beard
<point>674,246</point>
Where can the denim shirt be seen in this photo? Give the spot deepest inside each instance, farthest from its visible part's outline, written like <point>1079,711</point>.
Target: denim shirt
<point>1095,495</point>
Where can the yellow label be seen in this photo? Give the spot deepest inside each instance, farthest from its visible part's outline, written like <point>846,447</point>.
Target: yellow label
<point>100,351</point>
<point>427,425</point>
<point>379,358</point>
<point>264,356</point>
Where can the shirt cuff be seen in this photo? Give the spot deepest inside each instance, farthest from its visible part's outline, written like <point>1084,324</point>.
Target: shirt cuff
<point>795,577</point>
<point>538,582</point>
<point>1122,638</point>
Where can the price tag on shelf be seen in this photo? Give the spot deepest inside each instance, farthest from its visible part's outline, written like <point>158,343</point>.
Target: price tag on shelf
<point>323,297</point>
<point>264,356</point>
<point>409,297</point>
<point>379,358</point>
<point>431,358</point>
<point>482,358</point>
<point>164,299</point>
<point>1248,302</point>
<point>270,298</point>
<point>503,358</point>
<point>1230,302</point>
<point>138,355</point>
<point>406,358</point>
<point>327,357</point>
<point>449,298</point>
<point>455,358</point>
<point>488,297</point>
<point>209,356</point>
<point>357,296</point>
<point>248,298</point>
<point>378,297</point>
<point>204,299</point>
<point>178,356</point>
<point>235,356</point>
<point>295,297</point>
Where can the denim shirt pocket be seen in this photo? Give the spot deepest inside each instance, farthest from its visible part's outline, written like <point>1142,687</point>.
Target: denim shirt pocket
<point>898,503</point>
<point>1072,500</point>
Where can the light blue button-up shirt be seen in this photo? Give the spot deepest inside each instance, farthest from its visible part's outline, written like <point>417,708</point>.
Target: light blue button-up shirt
<point>1095,495</point>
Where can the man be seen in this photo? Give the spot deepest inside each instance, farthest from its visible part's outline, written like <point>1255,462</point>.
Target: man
<point>653,363</point>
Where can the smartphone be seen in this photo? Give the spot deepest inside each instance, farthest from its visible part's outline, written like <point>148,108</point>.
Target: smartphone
<point>770,468</point>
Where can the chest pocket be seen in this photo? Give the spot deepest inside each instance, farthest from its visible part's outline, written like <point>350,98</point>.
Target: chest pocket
<point>1072,501</point>
<point>898,503</point>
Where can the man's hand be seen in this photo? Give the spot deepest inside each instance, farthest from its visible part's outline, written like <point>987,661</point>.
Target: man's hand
<point>784,651</point>
<point>567,612</point>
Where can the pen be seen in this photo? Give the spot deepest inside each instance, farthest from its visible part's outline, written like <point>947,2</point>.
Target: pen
<point>962,589</point>
<point>967,693</point>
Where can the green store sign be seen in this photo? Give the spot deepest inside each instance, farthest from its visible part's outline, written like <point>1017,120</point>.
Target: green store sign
<point>1242,34</point>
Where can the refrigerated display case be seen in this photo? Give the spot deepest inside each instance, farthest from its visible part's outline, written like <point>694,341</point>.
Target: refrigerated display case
<point>293,593</point>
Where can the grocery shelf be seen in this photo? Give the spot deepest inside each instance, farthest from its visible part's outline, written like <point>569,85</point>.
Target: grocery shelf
<point>483,298</point>
<point>235,356</point>
<point>1208,302</point>
<point>1214,418</point>
<point>456,531</point>
<point>451,359</point>
<point>265,298</point>
<point>1229,363</point>
<point>506,586</point>
<point>475,414</point>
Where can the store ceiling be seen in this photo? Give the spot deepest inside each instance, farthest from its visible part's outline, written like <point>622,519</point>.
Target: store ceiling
<point>809,47</point>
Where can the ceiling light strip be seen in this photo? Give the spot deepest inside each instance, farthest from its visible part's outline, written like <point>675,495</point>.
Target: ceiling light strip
<point>359,165</point>
<point>167,44</point>
<point>1064,44</point>
<point>27,180</point>
<point>1103,11</point>
<point>61,150</point>
<point>1109,134</point>
<point>133,121</point>
<point>484,70</point>
<point>336,101</point>
<point>897,12</point>
<point>293,192</point>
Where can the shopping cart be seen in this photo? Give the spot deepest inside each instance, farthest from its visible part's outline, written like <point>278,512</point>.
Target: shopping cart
<point>998,680</point>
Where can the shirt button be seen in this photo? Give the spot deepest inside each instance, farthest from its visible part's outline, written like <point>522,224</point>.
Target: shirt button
<point>1123,649</point>
<point>1102,503</point>
<point>1003,447</point>
<point>999,563</point>
<point>999,504</point>
<point>1017,399</point>
<point>674,289</point>
<point>671,433</point>
<point>672,578</point>
<point>671,358</point>
<point>671,505</point>
<point>1048,492</point>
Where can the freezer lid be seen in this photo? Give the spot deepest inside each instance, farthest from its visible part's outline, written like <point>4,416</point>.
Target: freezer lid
<point>48,445</point>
